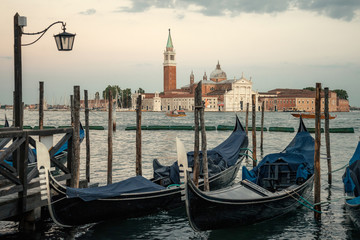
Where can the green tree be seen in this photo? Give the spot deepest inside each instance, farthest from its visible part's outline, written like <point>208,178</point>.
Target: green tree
<point>125,98</point>
<point>140,90</point>
<point>342,94</point>
<point>309,88</point>
<point>114,90</point>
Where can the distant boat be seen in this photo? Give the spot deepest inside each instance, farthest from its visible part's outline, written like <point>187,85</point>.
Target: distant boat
<point>311,115</point>
<point>176,113</point>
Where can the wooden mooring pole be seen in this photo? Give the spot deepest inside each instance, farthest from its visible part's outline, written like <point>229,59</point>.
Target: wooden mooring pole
<point>87,135</point>
<point>114,112</point>
<point>75,164</point>
<point>317,184</point>
<point>327,134</point>
<point>247,119</point>
<point>203,145</point>
<point>72,109</point>
<point>41,105</point>
<point>262,128</point>
<point>138,136</point>
<point>254,128</point>
<point>197,103</point>
<point>110,142</point>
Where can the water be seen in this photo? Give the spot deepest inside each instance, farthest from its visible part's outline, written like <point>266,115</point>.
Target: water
<point>335,223</point>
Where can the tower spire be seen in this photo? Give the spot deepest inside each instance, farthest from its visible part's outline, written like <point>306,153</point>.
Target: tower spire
<point>218,65</point>
<point>169,66</point>
<point>169,44</point>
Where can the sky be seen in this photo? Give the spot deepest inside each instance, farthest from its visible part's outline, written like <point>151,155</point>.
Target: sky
<point>276,43</point>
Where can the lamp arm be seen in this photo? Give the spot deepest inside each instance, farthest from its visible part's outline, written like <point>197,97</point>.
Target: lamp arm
<point>42,33</point>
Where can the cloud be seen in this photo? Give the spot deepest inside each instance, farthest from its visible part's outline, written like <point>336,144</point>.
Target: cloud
<point>339,9</point>
<point>90,11</point>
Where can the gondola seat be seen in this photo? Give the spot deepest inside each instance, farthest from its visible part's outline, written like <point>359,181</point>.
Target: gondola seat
<point>278,176</point>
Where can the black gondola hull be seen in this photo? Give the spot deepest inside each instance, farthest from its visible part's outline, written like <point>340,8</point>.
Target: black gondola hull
<point>206,213</point>
<point>354,213</point>
<point>75,211</point>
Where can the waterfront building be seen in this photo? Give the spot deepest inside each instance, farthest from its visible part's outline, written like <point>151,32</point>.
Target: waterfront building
<point>219,93</point>
<point>284,99</point>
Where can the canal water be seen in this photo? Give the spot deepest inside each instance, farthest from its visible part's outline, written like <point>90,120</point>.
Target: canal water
<point>300,224</point>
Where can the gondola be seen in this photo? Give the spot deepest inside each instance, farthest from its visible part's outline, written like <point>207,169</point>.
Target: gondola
<point>351,180</point>
<point>223,162</point>
<point>136,196</point>
<point>277,185</point>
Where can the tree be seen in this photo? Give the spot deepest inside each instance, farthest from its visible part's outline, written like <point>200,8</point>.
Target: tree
<point>309,88</point>
<point>342,94</point>
<point>125,98</point>
<point>114,90</point>
<point>140,90</point>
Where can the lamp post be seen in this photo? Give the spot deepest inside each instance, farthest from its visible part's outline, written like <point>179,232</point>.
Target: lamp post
<point>64,42</point>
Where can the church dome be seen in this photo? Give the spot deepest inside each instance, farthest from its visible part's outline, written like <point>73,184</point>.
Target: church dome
<point>218,75</point>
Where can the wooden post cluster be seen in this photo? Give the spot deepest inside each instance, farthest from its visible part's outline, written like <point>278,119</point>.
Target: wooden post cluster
<point>317,183</point>
<point>87,135</point>
<point>199,108</point>
<point>138,136</point>
<point>327,134</point>
<point>75,164</point>
<point>110,137</point>
<point>254,128</point>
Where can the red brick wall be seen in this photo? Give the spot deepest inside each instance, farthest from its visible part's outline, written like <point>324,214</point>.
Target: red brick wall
<point>169,78</point>
<point>343,105</point>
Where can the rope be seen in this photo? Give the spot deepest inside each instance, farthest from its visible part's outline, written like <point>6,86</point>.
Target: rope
<point>247,155</point>
<point>334,200</point>
<point>172,185</point>
<point>246,149</point>
<point>346,165</point>
<point>311,207</point>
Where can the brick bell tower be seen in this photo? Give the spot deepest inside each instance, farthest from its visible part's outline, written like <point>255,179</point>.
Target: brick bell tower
<point>169,66</point>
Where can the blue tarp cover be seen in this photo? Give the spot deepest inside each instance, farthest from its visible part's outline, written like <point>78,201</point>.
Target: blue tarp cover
<point>354,201</point>
<point>136,184</point>
<point>220,158</point>
<point>299,155</point>
<point>351,177</point>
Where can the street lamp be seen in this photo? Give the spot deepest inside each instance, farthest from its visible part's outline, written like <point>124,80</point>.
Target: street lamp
<point>64,42</point>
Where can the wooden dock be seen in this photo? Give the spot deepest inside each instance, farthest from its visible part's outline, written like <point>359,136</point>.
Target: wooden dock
<point>19,181</point>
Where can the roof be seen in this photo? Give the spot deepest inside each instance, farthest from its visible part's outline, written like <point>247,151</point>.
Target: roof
<point>218,73</point>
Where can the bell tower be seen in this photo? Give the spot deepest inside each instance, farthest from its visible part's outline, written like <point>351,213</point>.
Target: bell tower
<point>169,66</point>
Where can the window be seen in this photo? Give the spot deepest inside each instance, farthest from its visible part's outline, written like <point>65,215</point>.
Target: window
<point>171,57</point>
<point>166,57</point>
